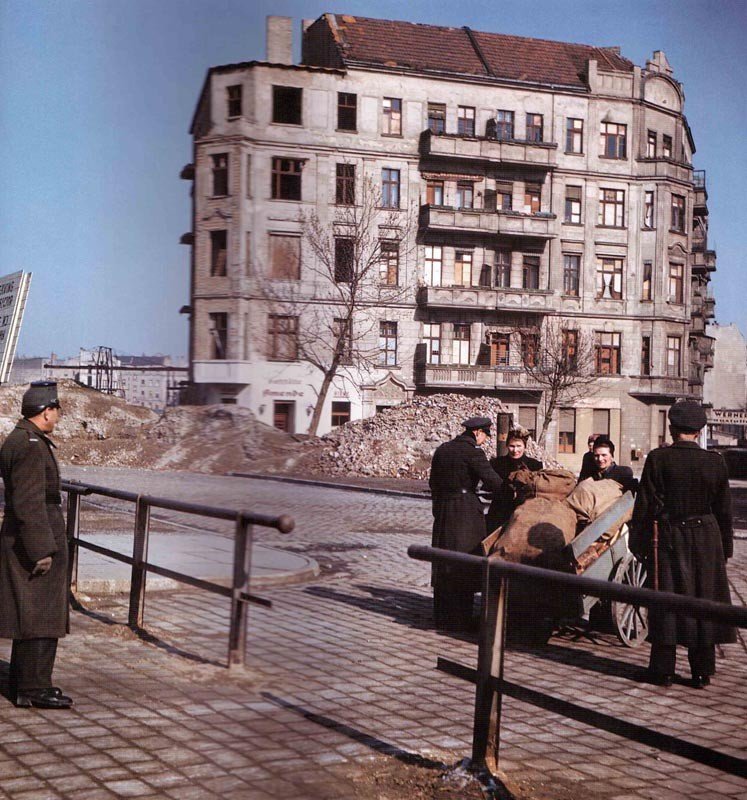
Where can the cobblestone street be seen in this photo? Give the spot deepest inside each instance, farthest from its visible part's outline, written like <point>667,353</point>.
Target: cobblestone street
<point>341,680</point>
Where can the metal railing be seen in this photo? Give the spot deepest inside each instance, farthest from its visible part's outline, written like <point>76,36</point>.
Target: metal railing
<point>242,552</point>
<point>492,636</point>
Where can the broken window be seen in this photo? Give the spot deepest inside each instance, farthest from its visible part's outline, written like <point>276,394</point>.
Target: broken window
<point>465,194</point>
<point>218,252</point>
<point>388,263</point>
<point>345,184</point>
<point>647,289</point>
<point>609,278</point>
<point>611,208</point>
<point>391,123</point>
<point>613,140</point>
<point>462,268</point>
<point>434,193</point>
<point>432,339</point>
<point>573,205</point>
<point>571,274</point>
<point>286,105</point>
<point>347,108</point>
<point>666,146</point>
<point>433,265</point>
<point>504,125</point>
<point>499,349</point>
<point>282,335</point>
<point>344,260</point>
<point>390,188</point>
<point>674,359</point>
<point>437,117</point>
<point>286,178</point>
<point>607,353</point>
<point>530,272</point>
<point>574,135</point>
<point>466,121</point>
<point>678,213</point>
<point>566,430</point>
<point>503,268</point>
<point>220,174</point>
<point>534,127</point>
<point>387,344</point>
<point>676,283</point>
<point>218,335</point>
<point>233,99</point>
<point>648,209</point>
<point>461,343</point>
<point>532,198</point>
<point>651,138</point>
<point>285,257</point>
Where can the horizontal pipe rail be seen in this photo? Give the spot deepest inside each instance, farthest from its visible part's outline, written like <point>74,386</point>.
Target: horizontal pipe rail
<point>694,606</point>
<point>283,523</point>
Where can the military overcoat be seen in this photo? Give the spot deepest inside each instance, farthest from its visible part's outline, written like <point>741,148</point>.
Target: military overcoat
<point>687,489</point>
<point>33,527</point>
<point>457,468</point>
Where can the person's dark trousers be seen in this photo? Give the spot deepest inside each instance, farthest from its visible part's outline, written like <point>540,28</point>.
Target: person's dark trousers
<point>31,664</point>
<point>702,659</point>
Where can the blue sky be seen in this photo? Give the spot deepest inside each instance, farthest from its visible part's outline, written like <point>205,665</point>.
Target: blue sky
<point>96,98</point>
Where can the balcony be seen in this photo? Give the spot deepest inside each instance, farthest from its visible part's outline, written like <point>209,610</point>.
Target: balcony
<point>486,148</point>
<point>700,198</point>
<point>703,261</point>
<point>223,371</point>
<point>484,298</point>
<point>703,346</point>
<point>480,221</point>
<point>657,386</point>
<point>473,377</point>
<point>664,168</point>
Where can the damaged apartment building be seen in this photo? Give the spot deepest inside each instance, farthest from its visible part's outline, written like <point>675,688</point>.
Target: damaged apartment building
<point>518,181</point>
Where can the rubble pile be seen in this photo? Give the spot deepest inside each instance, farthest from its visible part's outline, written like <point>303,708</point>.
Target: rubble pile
<point>399,441</point>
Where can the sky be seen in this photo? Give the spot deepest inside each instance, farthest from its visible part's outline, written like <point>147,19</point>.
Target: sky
<point>96,98</point>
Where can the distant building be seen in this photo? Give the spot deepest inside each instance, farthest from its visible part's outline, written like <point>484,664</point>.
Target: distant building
<point>150,381</point>
<point>549,179</point>
<point>726,384</point>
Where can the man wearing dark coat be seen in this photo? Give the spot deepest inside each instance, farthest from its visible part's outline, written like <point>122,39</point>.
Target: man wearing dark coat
<point>606,468</point>
<point>686,490</point>
<point>588,465</point>
<point>457,468</point>
<point>33,552</point>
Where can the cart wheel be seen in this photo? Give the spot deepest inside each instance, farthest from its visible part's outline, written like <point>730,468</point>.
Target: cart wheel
<point>631,622</point>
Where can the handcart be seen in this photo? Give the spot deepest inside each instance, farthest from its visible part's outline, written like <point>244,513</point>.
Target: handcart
<point>604,555</point>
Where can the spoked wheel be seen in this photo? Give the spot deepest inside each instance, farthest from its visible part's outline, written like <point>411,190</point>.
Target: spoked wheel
<point>631,622</point>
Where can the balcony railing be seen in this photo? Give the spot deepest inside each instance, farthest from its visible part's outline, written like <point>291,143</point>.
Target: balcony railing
<point>480,220</point>
<point>531,300</point>
<point>467,377</point>
<point>489,148</point>
<point>664,168</point>
<point>658,385</point>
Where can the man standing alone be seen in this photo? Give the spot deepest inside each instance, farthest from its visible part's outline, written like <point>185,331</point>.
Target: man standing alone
<point>458,518</point>
<point>684,499</point>
<point>33,552</point>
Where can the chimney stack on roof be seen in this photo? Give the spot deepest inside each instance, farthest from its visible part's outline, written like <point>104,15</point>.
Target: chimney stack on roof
<point>279,40</point>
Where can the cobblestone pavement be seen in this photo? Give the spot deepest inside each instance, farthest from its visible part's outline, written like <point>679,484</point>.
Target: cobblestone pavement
<point>341,677</point>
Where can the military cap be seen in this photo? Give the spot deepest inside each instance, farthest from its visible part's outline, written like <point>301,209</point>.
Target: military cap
<point>687,415</point>
<point>39,395</point>
<point>478,424</point>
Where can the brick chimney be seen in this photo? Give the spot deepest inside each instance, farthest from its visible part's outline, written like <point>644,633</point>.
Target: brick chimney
<point>279,40</point>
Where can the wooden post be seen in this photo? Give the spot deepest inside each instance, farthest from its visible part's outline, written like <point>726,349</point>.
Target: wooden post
<point>489,690</point>
<point>242,562</point>
<point>139,557</point>
<point>73,533</point>
<point>503,426</point>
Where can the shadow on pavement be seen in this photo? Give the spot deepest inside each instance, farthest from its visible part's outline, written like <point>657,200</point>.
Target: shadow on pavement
<point>497,791</point>
<point>142,634</point>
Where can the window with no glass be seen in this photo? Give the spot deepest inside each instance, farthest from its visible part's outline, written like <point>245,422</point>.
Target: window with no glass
<point>666,146</point>
<point>499,349</point>
<point>607,353</point>
<point>342,335</point>
<point>532,198</point>
<point>286,178</point>
<point>347,110</point>
<point>344,259</point>
<point>462,268</point>
<point>340,412</point>
<point>285,257</point>
<point>570,347</point>
<point>286,104</point>
<point>504,125</point>
<point>434,193</point>
<point>651,144</point>
<point>219,335</point>
<point>645,355</point>
<point>504,196</point>
<point>282,337</point>
<point>503,268</point>
<point>391,123</point>
<point>674,359</point>
<point>388,263</point>
<point>233,100</point>
<point>676,283</point>
<point>678,213</point>
<point>567,430</point>
<point>220,174</point>
<point>530,272</point>
<point>465,194</point>
<point>436,117</point>
<point>345,184</point>
<point>647,289</point>
<point>218,252</point>
<point>648,209</point>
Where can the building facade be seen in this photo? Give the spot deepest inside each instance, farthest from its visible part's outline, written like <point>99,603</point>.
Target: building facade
<point>529,181</point>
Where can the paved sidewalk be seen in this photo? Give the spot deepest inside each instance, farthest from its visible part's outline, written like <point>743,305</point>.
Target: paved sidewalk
<point>341,682</point>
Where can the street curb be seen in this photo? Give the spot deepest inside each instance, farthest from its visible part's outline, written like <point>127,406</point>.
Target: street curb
<point>424,495</point>
<point>157,583</point>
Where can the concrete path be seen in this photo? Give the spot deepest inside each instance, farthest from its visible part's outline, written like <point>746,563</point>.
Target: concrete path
<point>341,682</point>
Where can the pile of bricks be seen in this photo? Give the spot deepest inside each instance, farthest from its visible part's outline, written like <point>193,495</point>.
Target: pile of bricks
<point>400,441</point>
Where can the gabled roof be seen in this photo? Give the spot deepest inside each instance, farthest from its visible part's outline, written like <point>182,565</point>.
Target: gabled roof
<point>362,41</point>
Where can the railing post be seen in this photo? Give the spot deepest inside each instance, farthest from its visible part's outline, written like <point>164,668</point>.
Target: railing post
<point>242,561</point>
<point>489,689</point>
<point>139,556</point>
<point>73,532</point>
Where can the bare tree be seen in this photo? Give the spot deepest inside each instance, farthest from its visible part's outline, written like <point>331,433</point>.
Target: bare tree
<point>560,358</point>
<point>351,266</point>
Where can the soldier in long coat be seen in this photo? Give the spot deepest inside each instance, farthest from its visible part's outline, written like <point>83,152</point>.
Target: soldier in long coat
<point>686,489</point>
<point>457,468</point>
<point>33,552</point>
